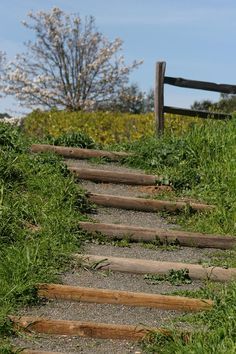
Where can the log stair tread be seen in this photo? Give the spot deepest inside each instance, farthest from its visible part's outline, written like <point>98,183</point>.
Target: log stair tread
<point>99,175</point>
<point>143,266</point>
<point>144,204</point>
<point>117,297</point>
<point>29,351</point>
<point>82,328</point>
<point>144,234</point>
<point>78,153</point>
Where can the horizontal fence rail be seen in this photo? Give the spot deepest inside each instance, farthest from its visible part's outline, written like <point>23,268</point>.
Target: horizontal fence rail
<point>196,113</point>
<point>160,109</point>
<point>200,85</point>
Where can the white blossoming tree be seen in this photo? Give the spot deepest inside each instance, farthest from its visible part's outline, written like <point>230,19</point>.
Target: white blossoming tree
<point>70,64</point>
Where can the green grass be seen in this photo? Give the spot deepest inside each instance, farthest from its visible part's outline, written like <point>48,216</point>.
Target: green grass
<point>199,164</point>
<point>40,207</point>
<point>213,332</point>
<point>174,277</point>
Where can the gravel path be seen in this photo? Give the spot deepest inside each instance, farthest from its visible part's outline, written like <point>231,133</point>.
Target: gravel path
<point>106,313</point>
<point>123,281</point>
<point>76,345</point>
<point>131,217</point>
<point>114,189</point>
<point>111,166</point>
<point>108,280</point>
<point>180,254</point>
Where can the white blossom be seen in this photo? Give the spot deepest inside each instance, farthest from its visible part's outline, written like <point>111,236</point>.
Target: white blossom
<point>70,64</point>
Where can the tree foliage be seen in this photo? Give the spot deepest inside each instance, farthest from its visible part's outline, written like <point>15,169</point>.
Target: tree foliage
<point>226,104</point>
<point>131,100</point>
<point>69,65</point>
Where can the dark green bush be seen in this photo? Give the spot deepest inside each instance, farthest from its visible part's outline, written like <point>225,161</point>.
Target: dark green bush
<point>11,138</point>
<point>75,139</point>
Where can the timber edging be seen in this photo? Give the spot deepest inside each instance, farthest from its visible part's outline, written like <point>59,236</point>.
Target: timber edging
<point>143,266</point>
<point>118,297</point>
<point>77,153</point>
<point>145,204</point>
<point>165,236</point>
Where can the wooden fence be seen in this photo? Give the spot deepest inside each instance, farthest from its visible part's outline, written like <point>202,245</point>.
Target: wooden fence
<point>160,108</point>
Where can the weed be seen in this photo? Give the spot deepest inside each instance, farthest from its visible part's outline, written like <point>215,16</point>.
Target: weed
<point>125,241</point>
<point>75,139</point>
<point>174,277</point>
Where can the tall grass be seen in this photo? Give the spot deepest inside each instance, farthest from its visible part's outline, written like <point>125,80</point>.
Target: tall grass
<point>40,206</point>
<point>212,332</point>
<point>200,163</point>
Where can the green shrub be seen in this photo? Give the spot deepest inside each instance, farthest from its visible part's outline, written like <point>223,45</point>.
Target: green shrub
<point>102,127</point>
<point>75,139</point>
<point>11,138</point>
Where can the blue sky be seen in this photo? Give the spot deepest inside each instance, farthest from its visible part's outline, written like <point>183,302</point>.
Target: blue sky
<point>195,38</point>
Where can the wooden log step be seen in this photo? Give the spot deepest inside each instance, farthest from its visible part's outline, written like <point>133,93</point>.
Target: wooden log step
<point>114,176</point>
<point>82,329</point>
<point>29,351</point>
<point>117,297</point>
<point>77,153</point>
<point>165,236</point>
<point>143,266</point>
<point>143,204</point>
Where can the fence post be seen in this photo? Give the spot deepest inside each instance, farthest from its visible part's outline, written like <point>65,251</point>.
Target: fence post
<point>159,96</point>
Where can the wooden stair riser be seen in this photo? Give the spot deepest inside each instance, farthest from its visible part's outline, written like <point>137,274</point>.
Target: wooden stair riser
<point>142,266</point>
<point>97,175</point>
<point>28,351</point>
<point>142,204</point>
<point>165,236</point>
<point>82,329</point>
<point>106,296</point>
<point>77,153</point>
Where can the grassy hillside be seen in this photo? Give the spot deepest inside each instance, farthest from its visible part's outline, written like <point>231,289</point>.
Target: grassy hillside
<point>40,206</point>
<point>199,164</point>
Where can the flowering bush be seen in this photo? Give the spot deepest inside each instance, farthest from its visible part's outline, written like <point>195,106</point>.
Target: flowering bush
<point>103,127</point>
<point>69,64</point>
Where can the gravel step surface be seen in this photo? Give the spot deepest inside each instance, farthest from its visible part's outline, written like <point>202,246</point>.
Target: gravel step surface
<point>131,217</point>
<point>178,254</point>
<point>69,345</point>
<point>112,166</point>
<point>105,313</point>
<point>123,281</point>
<point>114,189</point>
<point>108,188</point>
